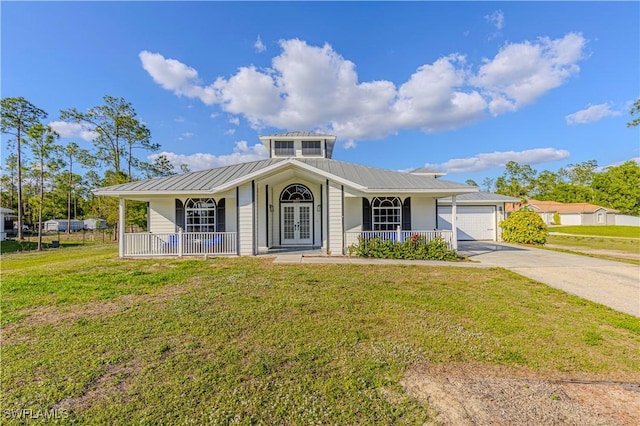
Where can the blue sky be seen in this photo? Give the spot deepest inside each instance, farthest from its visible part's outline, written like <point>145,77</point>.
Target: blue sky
<point>462,86</point>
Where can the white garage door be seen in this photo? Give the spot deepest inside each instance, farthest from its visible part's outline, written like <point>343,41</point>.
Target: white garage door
<point>474,222</point>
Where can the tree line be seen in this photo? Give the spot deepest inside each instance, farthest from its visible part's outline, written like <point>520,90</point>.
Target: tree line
<point>43,179</point>
<point>617,187</point>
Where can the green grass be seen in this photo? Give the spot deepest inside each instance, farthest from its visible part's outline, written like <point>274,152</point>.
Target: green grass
<point>604,231</point>
<point>600,247</point>
<point>243,340</point>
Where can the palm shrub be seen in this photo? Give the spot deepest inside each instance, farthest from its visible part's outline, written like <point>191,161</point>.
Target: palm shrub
<point>524,227</point>
<point>415,248</point>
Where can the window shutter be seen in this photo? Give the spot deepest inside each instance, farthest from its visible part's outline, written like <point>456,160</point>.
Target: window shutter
<point>220,216</point>
<point>179,215</point>
<point>406,214</point>
<point>366,215</point>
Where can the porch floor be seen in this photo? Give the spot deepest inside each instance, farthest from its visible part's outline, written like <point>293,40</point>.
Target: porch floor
<point>295,250</point>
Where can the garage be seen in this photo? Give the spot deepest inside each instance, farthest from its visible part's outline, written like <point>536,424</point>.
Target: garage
<point>474,222</point>
<point>478,215</point>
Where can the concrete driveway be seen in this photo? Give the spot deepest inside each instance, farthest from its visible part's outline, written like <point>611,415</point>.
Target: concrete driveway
<point>614,284</point>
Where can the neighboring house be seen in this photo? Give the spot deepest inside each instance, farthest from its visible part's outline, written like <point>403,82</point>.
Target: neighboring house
<point>54,225</point>
<point>571,213</point>
<point>4,214</point>
<point>299,197</point>
<point>478,215</point>
<point>95,224</point>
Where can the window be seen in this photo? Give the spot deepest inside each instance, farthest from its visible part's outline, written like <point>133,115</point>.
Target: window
<point>284,148</point>
<point>296,192</point>
<point>200,215</point>
<point>311,148</point>
<point>386,213</point>
<point>600,218</point>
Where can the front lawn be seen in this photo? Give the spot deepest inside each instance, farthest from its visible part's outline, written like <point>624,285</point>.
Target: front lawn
<point>243,340</point>
<point>603,231</point>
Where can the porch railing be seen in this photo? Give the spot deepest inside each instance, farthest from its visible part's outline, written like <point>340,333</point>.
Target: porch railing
<point>399,236</point>
<point>180,244</point>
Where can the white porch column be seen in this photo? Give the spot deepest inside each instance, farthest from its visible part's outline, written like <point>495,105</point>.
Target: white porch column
<point>121,225</point>
<point>246,217</point>
<point>454,226</point>
<point>335,231</point>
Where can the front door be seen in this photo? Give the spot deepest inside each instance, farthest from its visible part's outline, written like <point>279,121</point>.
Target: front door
<point>295,219</point>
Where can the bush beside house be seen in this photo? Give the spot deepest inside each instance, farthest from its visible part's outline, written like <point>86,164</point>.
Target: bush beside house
<point>415,248</point>
<point>524,227</point>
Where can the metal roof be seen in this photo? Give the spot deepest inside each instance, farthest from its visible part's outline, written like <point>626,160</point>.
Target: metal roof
<point>488,197</point>
<point>427,171</point>
<point>298,135</point>
<point>361,177</point>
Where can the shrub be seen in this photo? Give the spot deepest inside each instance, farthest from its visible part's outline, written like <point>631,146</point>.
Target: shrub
<point>524,227</point>
<point>556,218</point>
<point>415,248</point>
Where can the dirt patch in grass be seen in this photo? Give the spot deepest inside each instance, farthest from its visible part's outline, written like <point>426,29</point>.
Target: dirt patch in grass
<point>467,394</point>
<point>113,383</point>
<point>70,313</point>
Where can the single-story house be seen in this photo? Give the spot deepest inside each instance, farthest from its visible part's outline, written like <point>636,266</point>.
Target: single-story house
<point>299,197</point>
<point>94,224</point>
<point>4,213</point>
<point>570,213</point>
<point>54,225</point>
<point>478,215</point>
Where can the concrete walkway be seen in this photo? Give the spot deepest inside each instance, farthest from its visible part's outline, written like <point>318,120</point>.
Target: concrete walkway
<point>614,284</point>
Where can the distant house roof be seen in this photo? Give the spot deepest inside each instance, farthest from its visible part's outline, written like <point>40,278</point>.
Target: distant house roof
<point>5,210</point>
<point>487,197</point>
<point>557,207</point>
<point>359,177</point>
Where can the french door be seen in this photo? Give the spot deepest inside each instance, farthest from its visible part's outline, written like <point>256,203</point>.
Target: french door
<point>295,223</point>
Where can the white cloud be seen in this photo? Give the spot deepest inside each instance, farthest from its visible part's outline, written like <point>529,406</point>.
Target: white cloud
<point>496,19</point>
<point>349,144</point>
<point>235,121</point>
<point>230,132</point>
<point>619,163</point>
<point>179,119</point>
<point>259,45</point>
<point>73,130</point>
<point>185,135</point>
<point>522,72</point>
<point>592,114</point>
<point>176,76</point>
<point>200,161</point>
<point>315,88</point>
<point>485,161</point>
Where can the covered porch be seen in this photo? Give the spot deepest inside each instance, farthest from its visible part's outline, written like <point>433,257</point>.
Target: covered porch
<point>256,223</point>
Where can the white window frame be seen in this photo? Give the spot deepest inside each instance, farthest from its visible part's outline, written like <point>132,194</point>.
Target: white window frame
<point>386,213</point>
<point>200,215</point>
